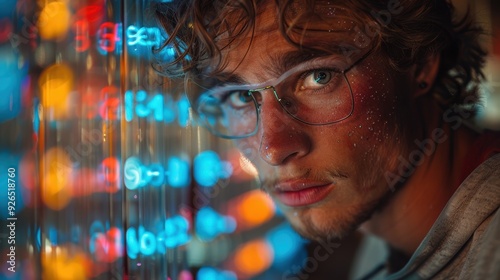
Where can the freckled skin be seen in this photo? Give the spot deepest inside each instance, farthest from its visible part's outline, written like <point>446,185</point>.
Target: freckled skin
<point>361,148</point>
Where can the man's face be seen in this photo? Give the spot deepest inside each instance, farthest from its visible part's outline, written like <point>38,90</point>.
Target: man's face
<point>326,179</point>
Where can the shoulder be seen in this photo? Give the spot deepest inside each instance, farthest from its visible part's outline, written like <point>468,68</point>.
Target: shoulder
<point>485,253</point>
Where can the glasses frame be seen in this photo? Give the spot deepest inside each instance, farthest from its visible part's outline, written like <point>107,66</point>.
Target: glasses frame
<point>273,87</point>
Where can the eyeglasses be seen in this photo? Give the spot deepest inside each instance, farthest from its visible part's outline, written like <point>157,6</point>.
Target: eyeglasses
<point>315,93</point>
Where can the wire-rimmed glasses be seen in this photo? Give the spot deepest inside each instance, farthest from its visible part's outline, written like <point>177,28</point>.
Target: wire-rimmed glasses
<point>315,92</point>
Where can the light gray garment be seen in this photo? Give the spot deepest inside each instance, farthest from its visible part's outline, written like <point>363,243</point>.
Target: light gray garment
<point>464,242</point>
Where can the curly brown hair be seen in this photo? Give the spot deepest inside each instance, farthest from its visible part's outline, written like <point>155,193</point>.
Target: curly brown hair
<point>416,30</point>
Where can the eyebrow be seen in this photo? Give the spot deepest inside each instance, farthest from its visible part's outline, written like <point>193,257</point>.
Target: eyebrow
<point>280,63</point>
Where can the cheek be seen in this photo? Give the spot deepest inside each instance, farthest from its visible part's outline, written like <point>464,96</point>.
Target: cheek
<point>375,101</point>
<point>374,134</point>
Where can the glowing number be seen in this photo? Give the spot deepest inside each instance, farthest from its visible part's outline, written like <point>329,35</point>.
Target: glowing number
<point>176,230</point>
<point>138,175</point>
<point>110,108</point>
<point>160,108</point>
<point>207,168</point>
<point>132,243</point>
<point>118,32</point>
<point>178,172</point>
<point>111,171</point>
<point>142,241</point>
<point>144,36</point>
<point>129,106</point>
<point>82,36</point>
<point>132,36</point>
<point>146,243</point>
<point>183,109</point>
<point>108,35</point>
<point>134,173</point>
<point>155,105</point>
<point>169,111</point>
<point>140,109</point>
<point>106,246</point>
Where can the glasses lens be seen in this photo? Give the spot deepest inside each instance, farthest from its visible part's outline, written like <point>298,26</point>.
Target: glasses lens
<point>320,97</point>
<point>230,114</point>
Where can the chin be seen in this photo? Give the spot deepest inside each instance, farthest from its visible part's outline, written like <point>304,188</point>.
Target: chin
<point>321,222</point>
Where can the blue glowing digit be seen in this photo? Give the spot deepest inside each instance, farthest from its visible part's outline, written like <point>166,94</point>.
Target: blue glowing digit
<point>157,175</point>
<point>132,243</point>
<point>133,173</point>
<point>132,35</point>
<point>160,242</point>
<point>176,231</point>
<point>169,109</point>
<point>129,105</point>
<point>207,168</point>
<point>156,104</point>
<point>156,36</point>
<point>178,172</point>
<point>148,242</point>
<point>183,111</point>
<point>140,109</point>
<point>119,41</point>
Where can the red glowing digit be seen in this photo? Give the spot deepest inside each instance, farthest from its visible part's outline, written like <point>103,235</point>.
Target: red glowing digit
<point>107,36</point>
<point>108,246</point>
<point>110,169</point>
<point>109,91</point>
<point>109,110</point>
<point>82,36</point>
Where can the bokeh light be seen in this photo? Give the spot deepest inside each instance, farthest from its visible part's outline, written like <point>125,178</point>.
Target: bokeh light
<point>54,20</point>
<point>253,258</point>
<point>56,84</point>
<point>57,177</point>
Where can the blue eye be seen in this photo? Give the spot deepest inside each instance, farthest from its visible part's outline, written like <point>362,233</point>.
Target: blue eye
<point>316,79</point>
<point>240,98</point>
<point>322,77</point>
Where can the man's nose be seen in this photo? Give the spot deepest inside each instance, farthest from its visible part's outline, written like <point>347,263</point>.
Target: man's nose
<point>282,138</point>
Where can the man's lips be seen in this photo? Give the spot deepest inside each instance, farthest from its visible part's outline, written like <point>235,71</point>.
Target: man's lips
<point>301,193</point>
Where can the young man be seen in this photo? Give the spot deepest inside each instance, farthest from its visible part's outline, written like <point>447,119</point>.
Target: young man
<point>354,114</point>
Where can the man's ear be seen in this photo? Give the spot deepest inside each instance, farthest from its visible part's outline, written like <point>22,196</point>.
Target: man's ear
<point>425,74</point>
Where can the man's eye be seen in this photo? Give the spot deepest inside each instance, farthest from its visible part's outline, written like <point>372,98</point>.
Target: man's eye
<point>316,79</point>
<point>240,98</point>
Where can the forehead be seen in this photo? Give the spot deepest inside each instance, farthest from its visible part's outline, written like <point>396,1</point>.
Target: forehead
<point>326,27</point>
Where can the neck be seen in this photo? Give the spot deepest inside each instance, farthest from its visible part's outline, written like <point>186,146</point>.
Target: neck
<point>406,219</point>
